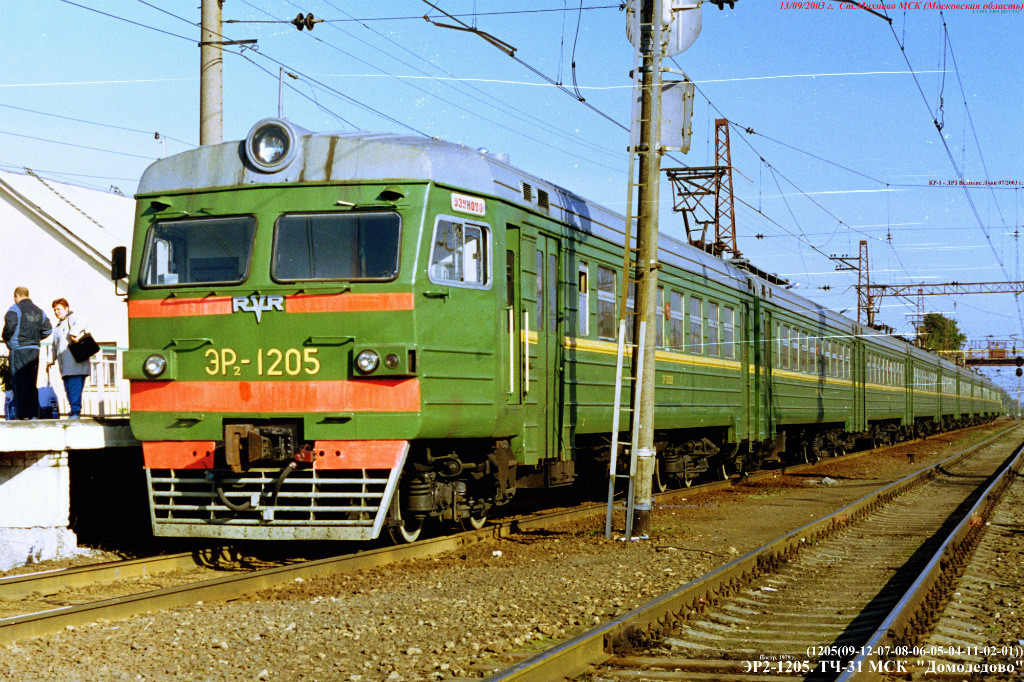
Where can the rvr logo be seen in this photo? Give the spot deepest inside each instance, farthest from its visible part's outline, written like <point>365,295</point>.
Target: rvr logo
<point>257,304</point>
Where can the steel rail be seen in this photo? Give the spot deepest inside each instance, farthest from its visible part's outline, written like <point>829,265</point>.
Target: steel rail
<point>36,624</point>
<point>577,655</point>
<point>915,612</point>
<point>51,582</point>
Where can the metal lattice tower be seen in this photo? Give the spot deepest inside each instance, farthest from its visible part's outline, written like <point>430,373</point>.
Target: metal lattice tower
<point>725,204</point>
<point>704,195</point>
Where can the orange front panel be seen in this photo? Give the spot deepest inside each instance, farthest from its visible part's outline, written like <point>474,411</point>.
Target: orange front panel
<point>348,303</point>
<point>180,307</point>
<point>299,303</point>
<point>186,454</point>
<point>369,395</point>
<point>358,454</point>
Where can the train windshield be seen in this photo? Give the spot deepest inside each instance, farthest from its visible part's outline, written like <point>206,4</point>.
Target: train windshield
<point>336,246</point>
<point>203,251</point>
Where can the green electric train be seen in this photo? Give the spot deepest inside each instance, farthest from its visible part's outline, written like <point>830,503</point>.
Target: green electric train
<point>335,336</point>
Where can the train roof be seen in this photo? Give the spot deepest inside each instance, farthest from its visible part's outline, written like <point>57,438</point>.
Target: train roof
<point>340,157</point>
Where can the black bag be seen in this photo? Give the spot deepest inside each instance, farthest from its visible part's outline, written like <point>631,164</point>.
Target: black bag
<point>84,348</point>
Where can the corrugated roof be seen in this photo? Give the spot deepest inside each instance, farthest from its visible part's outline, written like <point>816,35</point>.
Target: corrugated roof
<point>99,219</point>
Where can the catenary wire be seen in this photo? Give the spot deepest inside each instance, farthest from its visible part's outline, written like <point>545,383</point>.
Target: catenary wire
<point>97,123</point>
<point>476,113</point>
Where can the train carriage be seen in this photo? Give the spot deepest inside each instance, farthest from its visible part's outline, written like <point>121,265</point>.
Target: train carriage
<point>334,336</point>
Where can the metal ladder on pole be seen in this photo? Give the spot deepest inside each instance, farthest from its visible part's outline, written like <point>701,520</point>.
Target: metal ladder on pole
<point>627,279</point>
<point>617,444</point>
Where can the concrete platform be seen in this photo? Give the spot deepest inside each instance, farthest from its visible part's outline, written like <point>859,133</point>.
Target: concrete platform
<point>35,482</point>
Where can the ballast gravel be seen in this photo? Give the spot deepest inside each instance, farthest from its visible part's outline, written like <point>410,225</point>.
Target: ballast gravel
<point>457,615</point>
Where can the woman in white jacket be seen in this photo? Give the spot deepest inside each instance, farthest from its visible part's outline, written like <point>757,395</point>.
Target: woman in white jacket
<point>69,328</point>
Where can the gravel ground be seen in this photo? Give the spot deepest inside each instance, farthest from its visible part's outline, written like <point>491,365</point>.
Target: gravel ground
<point>453,615</point>
<point>1003,615</point>
<point>986,610</point>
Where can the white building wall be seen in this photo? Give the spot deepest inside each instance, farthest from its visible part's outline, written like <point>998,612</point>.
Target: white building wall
<point>51,267</point>
<point>50,242</point>
<point>34,507</point>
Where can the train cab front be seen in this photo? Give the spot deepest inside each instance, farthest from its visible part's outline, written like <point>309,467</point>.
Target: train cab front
<point>273,363</point>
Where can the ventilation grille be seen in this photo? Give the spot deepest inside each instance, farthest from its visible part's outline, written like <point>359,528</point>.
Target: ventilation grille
<point>542,198</point>
<point>527,192</point>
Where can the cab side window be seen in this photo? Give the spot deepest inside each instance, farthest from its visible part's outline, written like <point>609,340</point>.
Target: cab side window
<point>460,254</point>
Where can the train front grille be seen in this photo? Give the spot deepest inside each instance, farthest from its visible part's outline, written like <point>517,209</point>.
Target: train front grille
<point>309,504</point>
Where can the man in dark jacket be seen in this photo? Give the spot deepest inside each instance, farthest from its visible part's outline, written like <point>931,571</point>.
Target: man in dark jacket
<point>25,325</point>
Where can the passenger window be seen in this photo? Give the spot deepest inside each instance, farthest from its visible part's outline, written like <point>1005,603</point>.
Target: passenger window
<point>659,319</point>
<point>460,254</point>
<point>713,331</point>
<point>631,313</point>
<point>728,334</point>
<point>696,331</point>
<point>805,363</point>
<point>784,347</point>
<point>605,303</point>
<point>676,323</point>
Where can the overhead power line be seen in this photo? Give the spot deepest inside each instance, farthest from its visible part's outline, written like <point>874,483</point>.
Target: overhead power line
<point>539,73</point>
<point>129,21</point>
<point>342,95</point>
<point>952,161</point>
<point>508,107</point>
<point>617,6</point>
<point>468,110</point>
<point>97,123</point>
<point>80,146</point>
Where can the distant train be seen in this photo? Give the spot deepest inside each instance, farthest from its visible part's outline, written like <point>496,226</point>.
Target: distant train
<point>336,335</point>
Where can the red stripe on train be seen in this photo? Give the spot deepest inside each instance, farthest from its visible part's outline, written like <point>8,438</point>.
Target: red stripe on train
<point>358,454</point>
<point>368,395</point>
<point>178,454</point>
<point>180,307</point>
<point>300,303</point>
<point>348,303</point>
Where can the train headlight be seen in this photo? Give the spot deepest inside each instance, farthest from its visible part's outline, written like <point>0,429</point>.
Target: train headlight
<point>271,144</point>
<point>367,361</point>
<point>154,366</point>
<point>391,361</point>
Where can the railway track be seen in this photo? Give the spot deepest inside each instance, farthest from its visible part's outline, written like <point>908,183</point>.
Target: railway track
<point>47,587</point>
<point>802,606</point>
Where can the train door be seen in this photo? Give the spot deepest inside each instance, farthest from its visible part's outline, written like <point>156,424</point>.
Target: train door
<point>746,358</point>
<point>515,343</point>
<point>543,321</point>
<point>860,421</point>
<point>767,426</point>
<point>759,389</point>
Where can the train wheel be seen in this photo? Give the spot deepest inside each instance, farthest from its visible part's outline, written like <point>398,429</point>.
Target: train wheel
<point>686,478</point>
<point>815,448</point>
<point>474,522</point>
<point>408,529</point>
<point>660,483</point>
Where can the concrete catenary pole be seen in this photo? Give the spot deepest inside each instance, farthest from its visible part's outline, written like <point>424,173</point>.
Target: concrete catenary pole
<point>649,158</point>
<point>211,61</point>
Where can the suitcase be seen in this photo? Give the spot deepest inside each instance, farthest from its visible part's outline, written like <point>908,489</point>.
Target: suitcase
<point>48,407</point>
<point>10,410</point>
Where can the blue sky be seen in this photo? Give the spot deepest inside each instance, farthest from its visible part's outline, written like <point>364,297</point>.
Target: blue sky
<point>830,81</point>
